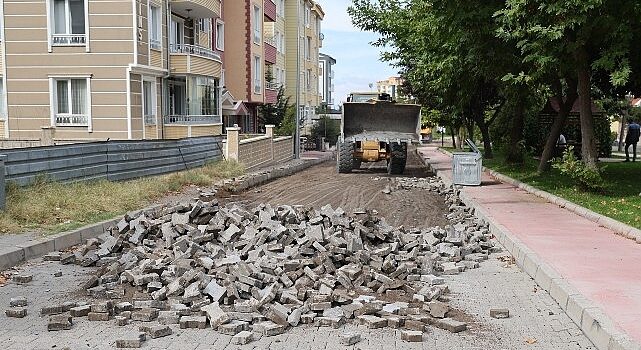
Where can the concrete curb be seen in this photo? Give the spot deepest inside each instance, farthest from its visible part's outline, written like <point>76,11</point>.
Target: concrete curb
<point>23,252</point>
<point>596,325</point>
<point>618,227</point>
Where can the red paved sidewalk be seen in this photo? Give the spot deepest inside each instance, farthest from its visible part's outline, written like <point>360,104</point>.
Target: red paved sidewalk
<point>604,267</point>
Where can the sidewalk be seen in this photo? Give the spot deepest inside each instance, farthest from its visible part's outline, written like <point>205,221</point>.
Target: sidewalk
<point>602,267</point>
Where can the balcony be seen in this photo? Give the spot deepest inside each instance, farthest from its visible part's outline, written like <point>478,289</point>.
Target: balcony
<point>270,11</point>
<point>191,59</point>
<point>68,39</point>
<point>191,119</point>
<point>271,92</point>
<point>270,51</point>
<point>63,119</point>
<point>196,8</point>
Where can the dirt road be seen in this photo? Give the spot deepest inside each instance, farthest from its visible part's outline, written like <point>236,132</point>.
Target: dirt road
<point>321,185</point>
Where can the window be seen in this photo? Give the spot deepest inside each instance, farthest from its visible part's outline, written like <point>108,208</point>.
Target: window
<point>257,75</point>
<point>308,79</point>
<point>68,23</point>
<point>277,41</point>
<point>71,102</point>
<point>204,25</point>
<point>176,35</point>
<point>149,102</point>
<point>258,30</point>
<point>220,36</point>
<point>154,27</point>
<point>281,8</point>
<point>308,15</point>
<point>308,48</point>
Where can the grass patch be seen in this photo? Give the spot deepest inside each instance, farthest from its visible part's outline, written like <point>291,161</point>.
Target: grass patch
<point>52,207</point>
<point>620,200</point>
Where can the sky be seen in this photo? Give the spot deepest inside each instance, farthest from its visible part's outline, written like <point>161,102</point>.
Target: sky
<point>357,62</point>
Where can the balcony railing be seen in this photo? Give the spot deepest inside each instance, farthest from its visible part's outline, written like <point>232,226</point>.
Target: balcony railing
<point>270,40</point>
<point>68,39</point>
<point>154,44</point>
<point>192,119</point>
<point>72,120</point>
<point>194,50</point>
<point>272,85</point>
<point>150,120</point>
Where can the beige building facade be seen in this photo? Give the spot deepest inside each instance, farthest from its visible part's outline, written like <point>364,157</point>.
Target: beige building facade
<point>118,69</point>
<point>303,40</point>
<point>391,86</point>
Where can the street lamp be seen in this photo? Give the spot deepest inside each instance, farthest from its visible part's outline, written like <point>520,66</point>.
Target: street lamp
<point>628,99</point>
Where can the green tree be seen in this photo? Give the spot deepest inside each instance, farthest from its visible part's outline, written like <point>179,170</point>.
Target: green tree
<point>575,39</point>
<point>273,113</point>
<point>450,56</point>
<point>287,126</point>
<point>326,128</point>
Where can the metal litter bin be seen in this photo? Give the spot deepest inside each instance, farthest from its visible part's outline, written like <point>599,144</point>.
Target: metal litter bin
<point>467,166</point>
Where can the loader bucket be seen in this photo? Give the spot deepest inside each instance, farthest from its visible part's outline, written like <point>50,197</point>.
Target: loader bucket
<point>382,120</point>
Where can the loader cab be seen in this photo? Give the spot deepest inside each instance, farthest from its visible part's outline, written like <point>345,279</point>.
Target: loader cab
<point>365,97</point>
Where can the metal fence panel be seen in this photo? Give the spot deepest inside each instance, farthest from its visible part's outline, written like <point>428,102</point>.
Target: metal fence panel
<point>113,160</point>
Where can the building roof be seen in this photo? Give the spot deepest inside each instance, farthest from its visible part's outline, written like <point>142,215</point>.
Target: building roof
<point>327,57</point>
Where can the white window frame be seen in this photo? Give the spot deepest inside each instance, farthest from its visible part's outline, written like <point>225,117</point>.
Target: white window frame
<point>258,25</point>
<point>308,15</point>
<point>51,24</point>
<point>308,48</point>
<point>157,43</point>
<point>258,80</point>
<point>308,79</point>
<point>180,24</point>
<point>154,100</point>
<point>53,99</point>
<point>220,35</point>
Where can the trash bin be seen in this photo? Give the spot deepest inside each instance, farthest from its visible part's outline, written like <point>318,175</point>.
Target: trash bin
<point>467,166</point>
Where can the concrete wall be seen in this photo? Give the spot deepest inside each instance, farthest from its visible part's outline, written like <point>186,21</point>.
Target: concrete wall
<point>283,148</point>
<point>113,160</point>
<point>258,151</point>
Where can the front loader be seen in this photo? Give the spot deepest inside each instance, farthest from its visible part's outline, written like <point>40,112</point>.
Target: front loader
<point>376,131</point>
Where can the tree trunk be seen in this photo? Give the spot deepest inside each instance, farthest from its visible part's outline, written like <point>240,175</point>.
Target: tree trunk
<point>565,107</point>
<point>487,144</point>
<point>470,129</point>
<point>588,141</point>
<point>453,133</point>
<point>514,152</point>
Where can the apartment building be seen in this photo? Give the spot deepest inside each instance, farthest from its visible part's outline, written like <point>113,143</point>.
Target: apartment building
<point>118,69</point>
<point>392,87</point>
<point>303,40</point>
<point>275,36</point>
<point>326,80</point>
<point>248,59</point>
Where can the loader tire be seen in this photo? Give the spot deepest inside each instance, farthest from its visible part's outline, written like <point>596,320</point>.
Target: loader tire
<point>345,158</point>
<point>398,159</point>
<point>357,163</point>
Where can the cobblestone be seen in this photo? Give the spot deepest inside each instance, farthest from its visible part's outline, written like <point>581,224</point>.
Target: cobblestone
<point>533,315</point>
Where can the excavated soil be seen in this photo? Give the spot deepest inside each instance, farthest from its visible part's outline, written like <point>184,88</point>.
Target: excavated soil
<point>362,189</point>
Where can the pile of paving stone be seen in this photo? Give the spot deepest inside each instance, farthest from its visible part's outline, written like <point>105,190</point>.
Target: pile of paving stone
<point>260,271</point>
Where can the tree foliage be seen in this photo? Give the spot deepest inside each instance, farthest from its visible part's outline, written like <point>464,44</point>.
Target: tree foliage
<point>475,61</point>
<point>274,113</point>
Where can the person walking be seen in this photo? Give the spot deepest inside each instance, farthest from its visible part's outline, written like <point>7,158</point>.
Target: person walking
<point>631,139</point>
